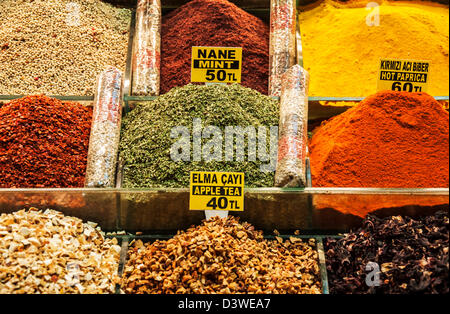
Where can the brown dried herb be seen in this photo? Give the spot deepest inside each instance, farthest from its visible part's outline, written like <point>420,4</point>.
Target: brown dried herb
<point>222,256</point>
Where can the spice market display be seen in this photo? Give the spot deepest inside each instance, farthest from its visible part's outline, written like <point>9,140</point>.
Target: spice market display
<point>47,252</point>
<point>121,172</point>
<point>59,47</point>
<point>412,255</point>
<point>343,42</point>
<point>223,256</point>
<point>215,23</point>
<point>389,140</point>
<point>43,143</point>
<point>147,140</point>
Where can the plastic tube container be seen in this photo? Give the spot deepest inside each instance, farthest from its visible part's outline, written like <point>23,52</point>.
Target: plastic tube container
<point>105,130</point>
<point>146,57</point>
<point>293,129</point>
<point>283,19</point>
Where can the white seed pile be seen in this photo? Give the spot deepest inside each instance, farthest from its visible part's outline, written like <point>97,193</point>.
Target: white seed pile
<point>59,47</point>
<point>47,252</point>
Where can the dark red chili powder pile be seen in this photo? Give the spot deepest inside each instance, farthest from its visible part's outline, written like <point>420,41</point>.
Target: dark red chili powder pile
<point>390,140</point>
<point>217,23</point>
<point>43,143</point>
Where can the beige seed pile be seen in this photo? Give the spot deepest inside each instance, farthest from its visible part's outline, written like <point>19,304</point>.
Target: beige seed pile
<point>47,252</point>
<point>59,47</point>
<point>223,256</point>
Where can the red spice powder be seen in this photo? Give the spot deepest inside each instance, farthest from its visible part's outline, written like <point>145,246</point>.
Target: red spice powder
<point>390,140</point>
<point>43,143</point>
<point>215,23</point>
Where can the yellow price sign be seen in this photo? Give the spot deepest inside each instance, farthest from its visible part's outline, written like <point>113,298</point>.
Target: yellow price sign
<point>217,191</point>
<point>216,65</point>
<point>404,75</point>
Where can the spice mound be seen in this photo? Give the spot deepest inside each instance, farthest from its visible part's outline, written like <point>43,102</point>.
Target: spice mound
<point>213,23</point>
<point>156,145</point>
<point>59,47</point>
<point>223,256</point>
<point>47,252</point>
<point>403,255</point>
<point>43,143</point>
<point>390,140</point>
<point>347,39</point>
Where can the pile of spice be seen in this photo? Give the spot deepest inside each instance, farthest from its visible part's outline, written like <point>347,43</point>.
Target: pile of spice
<point>47,252</point>
<point>59,47</point>
<point>183,118</point>
<point>390,140</point>
<point>392,255</point>
<point>345,40</point>
<point>223,256</point>
<point>43,143</point>
<point>217,23</point>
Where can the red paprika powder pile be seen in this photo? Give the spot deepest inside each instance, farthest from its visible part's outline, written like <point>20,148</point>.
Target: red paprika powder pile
<point>390,140</point>
<point>43,143</point>
<point>217,23</point>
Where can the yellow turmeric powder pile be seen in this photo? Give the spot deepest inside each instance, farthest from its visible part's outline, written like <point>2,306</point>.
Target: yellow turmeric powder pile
<point>342,52</point>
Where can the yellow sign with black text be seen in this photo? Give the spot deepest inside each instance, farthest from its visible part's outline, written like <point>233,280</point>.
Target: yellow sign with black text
<point>216,65</point>
<point>404,75</point>
<point>217,191</point>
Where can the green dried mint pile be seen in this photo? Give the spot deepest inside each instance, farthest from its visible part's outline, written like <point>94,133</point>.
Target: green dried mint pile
<point>175,124</point>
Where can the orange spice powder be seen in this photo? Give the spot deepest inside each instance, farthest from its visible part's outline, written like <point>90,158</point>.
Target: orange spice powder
<point>390,140</point>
